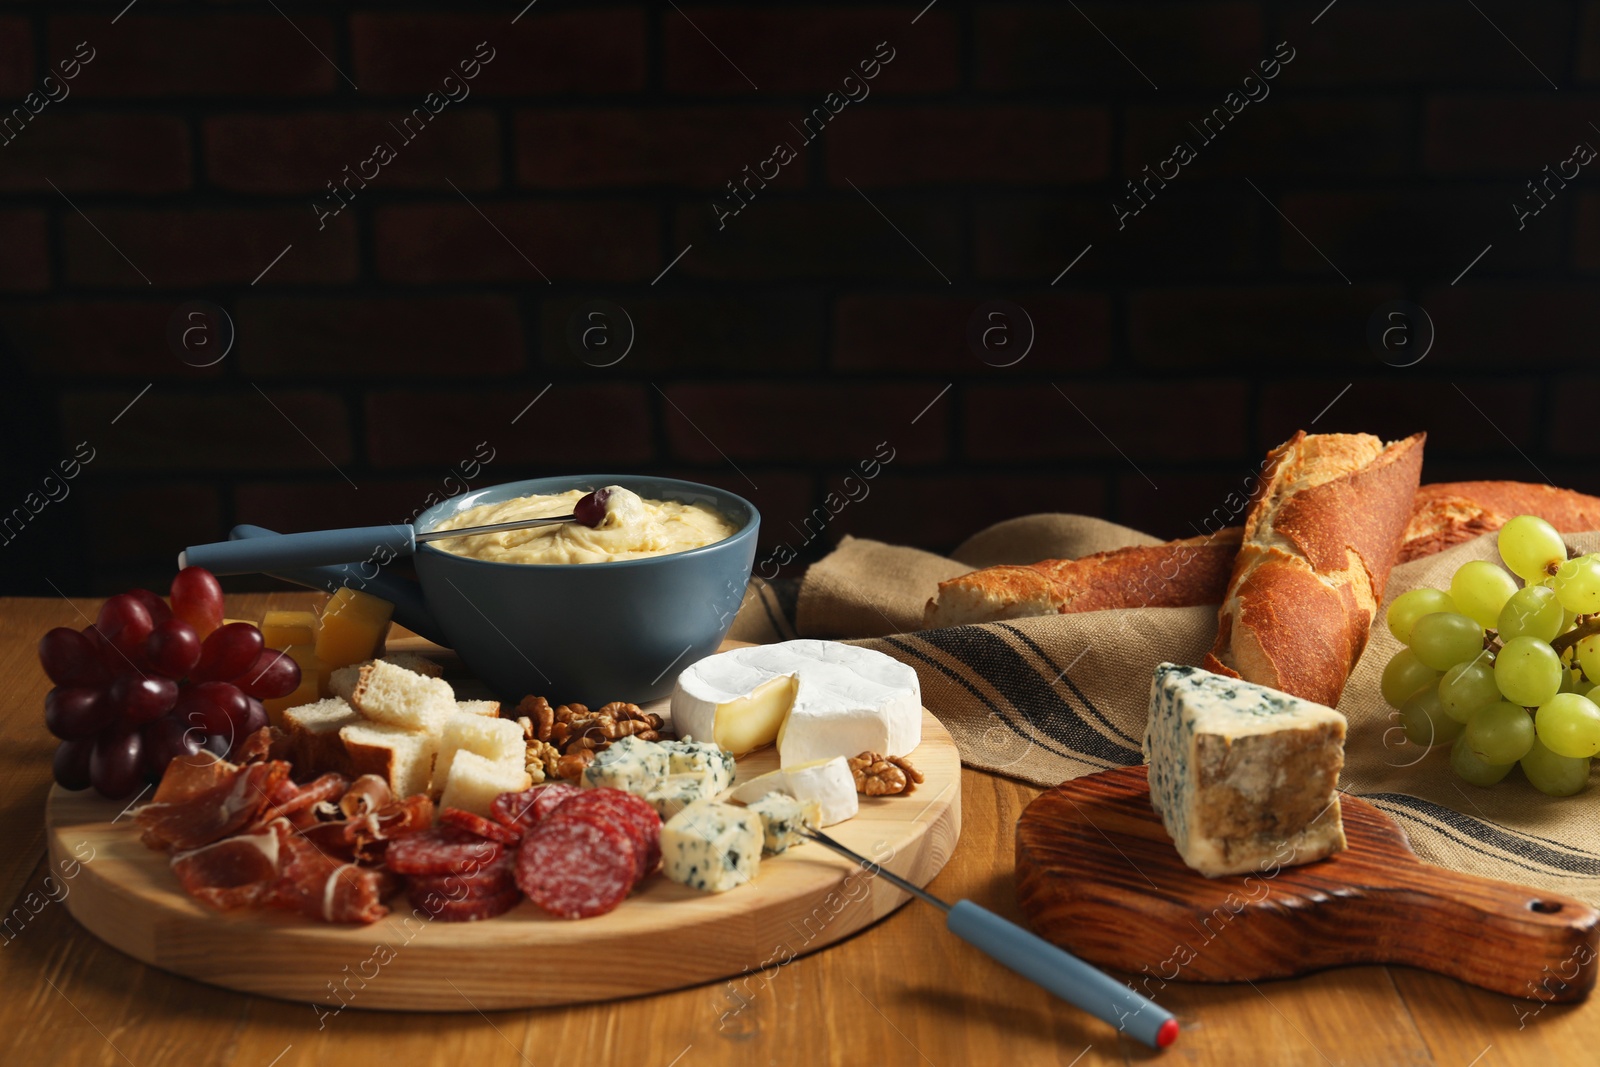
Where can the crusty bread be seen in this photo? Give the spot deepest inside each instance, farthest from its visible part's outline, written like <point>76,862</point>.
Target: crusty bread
<point>313,732</point>
<point>474,782</point>
<point>1320,538</point>
<point>1449,513</point>
<point>342,682</point>
<point>489,709</point>
<point>395,696</point>
<point>497,740</point>
<point>403,758</point>
<point>1174,575</point>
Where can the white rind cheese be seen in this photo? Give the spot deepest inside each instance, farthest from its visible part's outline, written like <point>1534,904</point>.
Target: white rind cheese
<point>827,783</point>
<point>816,699</point>
<point>782,818</point>
<point>711,847</point>
<point>1244,777</point>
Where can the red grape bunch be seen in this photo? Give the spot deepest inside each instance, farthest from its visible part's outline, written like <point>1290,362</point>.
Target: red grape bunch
<point>147,683</point>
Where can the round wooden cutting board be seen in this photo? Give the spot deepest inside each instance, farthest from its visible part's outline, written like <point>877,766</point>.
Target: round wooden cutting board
<point>662,937</point>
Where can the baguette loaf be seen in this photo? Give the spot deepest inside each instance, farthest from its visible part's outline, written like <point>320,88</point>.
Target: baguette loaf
<point>1319,541</point>
<point>1452,512</point>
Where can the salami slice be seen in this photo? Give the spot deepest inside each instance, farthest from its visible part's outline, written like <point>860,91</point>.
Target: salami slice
<point>467,909</point>
<point>474,823</point>
<point>441,850</point>
<point>525,810</point>
<point>624,809</point>
<point>496,878</point>
<point>576,868</point>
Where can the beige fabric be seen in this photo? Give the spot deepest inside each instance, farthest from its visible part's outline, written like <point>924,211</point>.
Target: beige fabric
<point>1047,699</point>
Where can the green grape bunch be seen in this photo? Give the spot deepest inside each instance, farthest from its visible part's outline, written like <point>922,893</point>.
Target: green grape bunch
<point>1504,666</point>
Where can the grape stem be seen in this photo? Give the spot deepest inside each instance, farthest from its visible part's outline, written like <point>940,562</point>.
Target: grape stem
<point>1583,626</point>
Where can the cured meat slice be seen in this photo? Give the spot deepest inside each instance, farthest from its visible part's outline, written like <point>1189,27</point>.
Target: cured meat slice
<point>236,872</point>
<point>525,810</point>
<point>495,878</point>
<point>229,802</point>
<point>576,868</point>
<point>320,886</point>
<point>287,798</point>
<point>474,823</point>
<point>632,813</point>
<point>441,850</point>
<point>468,909</point>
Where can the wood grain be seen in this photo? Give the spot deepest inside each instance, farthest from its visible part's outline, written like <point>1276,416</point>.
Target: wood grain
<point>903,993</point>
<point>1097,874</point>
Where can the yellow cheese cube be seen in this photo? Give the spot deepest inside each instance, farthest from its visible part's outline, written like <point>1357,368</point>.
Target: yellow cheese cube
<point>225,622</point>
<point>306,656</point>
<point>352,628</point>
<point>280,629</point>
<point>311,682</point>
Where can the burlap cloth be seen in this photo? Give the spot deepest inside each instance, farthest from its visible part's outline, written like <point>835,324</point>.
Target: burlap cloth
<point>1048,699</point>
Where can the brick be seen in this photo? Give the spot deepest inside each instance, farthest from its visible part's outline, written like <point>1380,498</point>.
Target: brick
<point>97,152</point>
<point>239,431</point>
<point>453,242</point>
<point>553,436</point>
<point>1183,502</point>
<point>379,336</point>
<point>231,54</point>
<point>305,151</point>
<point>931,334</point>
<point>1055,47</point>
<point>98,338</point>
<point>938,512</point>
<point>1400,404</point>
<point>1518,135</point>
<point>1265,327</point>
<point>1277,135</point>
<point>1435,232</point>
<point>808,50</point>
<point>1501,325</point>
<point>564,52</point>
<point>684,147</point>
<point>828,237</point>
<point>1006,145</point>
<point>1043,421</point>
<point>748,333</point>
<point>1182,230</point>
<point>1589,42</point>
<point>1586,233</point>
<point>16,60</point>
<point>206,247</point>
<point>1571,425</point>
<point>1375,43</point>
<point>805,421</point>
<point>170,515</point>
<point>25,267</point>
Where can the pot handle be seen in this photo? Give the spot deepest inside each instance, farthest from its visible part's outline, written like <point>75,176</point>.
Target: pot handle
<point>410,606</point>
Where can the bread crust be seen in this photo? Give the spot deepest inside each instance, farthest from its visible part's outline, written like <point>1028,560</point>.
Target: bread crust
<point>1448,513</point>
<point>1320,540</point>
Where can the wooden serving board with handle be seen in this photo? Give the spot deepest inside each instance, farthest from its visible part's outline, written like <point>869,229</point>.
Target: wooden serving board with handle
<point>1098,875</point>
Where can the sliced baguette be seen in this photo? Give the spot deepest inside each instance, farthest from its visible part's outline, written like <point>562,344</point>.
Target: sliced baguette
<point>489,709</point>
<point>403,758</point>
<point>1319,541</point>
<point>474,782</point>
<point>314,743</point>
<point>342,682</point>
<point>496,740</point>
<point>395,696</point>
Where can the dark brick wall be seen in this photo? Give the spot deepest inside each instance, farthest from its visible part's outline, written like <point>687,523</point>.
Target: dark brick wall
<point>776,341</point>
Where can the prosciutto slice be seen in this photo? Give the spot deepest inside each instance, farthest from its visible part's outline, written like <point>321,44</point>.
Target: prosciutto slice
<point>204,800</point>
<point>236,872</point>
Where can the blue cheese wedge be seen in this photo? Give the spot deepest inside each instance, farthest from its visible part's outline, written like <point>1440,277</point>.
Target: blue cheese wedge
<point>675,792</point>
<point>782,818</point>
<point>629,764</point>
<point>1244,777</point>
<point>711,847</point>
<point>713,765</point>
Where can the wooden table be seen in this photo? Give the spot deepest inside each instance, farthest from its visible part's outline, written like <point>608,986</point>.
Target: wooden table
<point>901,992</point>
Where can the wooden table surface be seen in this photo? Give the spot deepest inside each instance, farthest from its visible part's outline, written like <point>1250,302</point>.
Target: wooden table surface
<point>901,992</point>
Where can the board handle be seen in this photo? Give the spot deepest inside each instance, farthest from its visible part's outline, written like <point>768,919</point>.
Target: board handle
<point>1512,939</point>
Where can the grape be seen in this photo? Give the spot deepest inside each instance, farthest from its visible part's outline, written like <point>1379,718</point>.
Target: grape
<point>227,653</point>
<point>1444,638</point>
<point>272,675</point>
<point>197,600</point>
<point>1577,585</point>
<point>70,659</point>
<point>1410,606</point>
<point>255,718</point>
<point>71,764</point>
<point>1569,725</point>
<point>1587,653</point>
<point>1500,733</point>
<point>1532,612</point>
<point>590,510</point>
<point>173,648</point>
<point>1404,675</point>
<point>1466,687</point>
<point>114,764</point>
<point>1472,770</point>
<point>141,699</point>
<point>1553,775</point>
<point>1424,720</point>
<point>1527,671</point>
<point>76,713</point>
<point>1480,589</point>
<point>165,740</point>
<point>159,612</point>
<point>109,657</point>
<point>215,707</point>
<point>1529,545</point>
<point>126,623</point>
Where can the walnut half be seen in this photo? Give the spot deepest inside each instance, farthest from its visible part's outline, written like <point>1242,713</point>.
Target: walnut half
<point>880,776</point>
